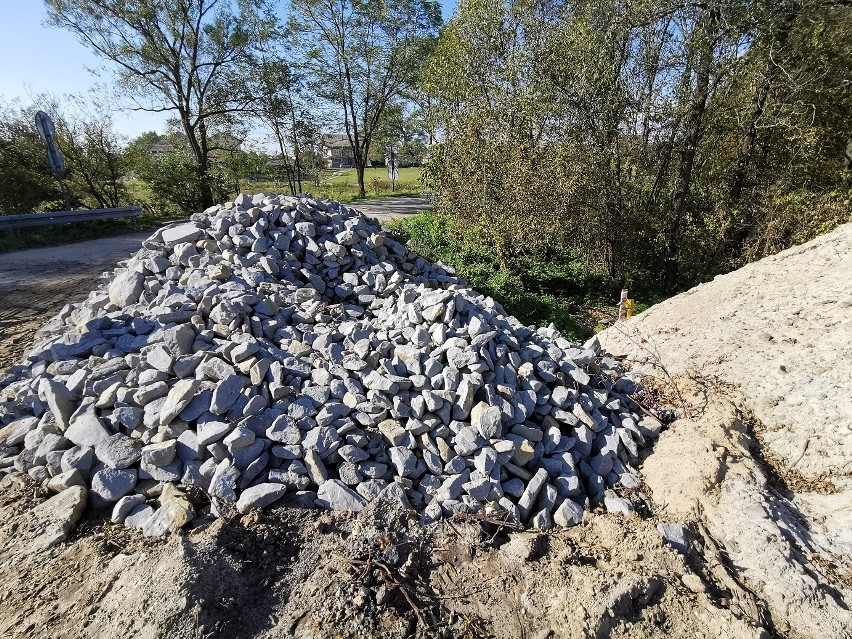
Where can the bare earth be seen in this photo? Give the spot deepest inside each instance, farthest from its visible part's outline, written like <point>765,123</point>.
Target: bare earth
<point>767,516</point>
<point>768,465</point>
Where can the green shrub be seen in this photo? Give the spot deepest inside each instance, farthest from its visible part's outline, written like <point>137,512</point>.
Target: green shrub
<point>541,289</point>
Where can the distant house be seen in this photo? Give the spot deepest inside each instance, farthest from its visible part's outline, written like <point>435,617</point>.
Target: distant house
<point>161,147</point>
<point>336,151</point>
<point>218,142</point>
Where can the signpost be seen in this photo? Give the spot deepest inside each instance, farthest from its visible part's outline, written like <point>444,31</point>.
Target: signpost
<point>47,131</point>
<point>393,166</point>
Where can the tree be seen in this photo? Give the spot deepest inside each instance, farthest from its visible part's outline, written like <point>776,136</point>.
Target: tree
<point>664,141</point>
<point>361,55</point>
<point>401,127</point>
<point>277,86</point>
<point>181,56</point>
<point>93,153</point>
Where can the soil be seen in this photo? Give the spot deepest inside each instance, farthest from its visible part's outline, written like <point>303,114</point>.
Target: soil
<point>291,572</point>
<point>758,363</point>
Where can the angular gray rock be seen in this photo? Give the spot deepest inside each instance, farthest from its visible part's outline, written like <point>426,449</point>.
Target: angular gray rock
<point>291,343</point>
<point>55,518</point>
<point>118,451</point>
<point>259,496</point>
<point>335,495</point>
<point>675,535</point>
<point>126,288</point>
<point>226,393</point>
<point>124,506</point>
<point>111,484</point>
<point>86,429</point>
<point>568,514</point>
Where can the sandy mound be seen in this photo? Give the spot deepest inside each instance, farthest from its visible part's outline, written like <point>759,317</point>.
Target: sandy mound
<point>766,458</point>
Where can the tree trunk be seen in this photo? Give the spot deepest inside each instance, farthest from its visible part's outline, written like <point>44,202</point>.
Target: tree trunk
<point>198,145</point>
<point>360,167</point>
<point>203,166</point>
<point>758,102</point>
<point>707,36</point>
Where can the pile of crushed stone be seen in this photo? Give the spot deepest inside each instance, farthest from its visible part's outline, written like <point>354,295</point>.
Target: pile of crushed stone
<point>280,345</point>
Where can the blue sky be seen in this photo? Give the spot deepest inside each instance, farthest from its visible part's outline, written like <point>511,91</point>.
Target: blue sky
<point>36,59</point>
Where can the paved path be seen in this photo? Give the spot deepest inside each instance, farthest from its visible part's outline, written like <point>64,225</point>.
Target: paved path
<point>386,209</point>
<point>36,283</point>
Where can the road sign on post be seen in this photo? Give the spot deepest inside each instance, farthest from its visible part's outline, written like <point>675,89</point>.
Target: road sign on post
<point>45,127</point>
<point>47,131</point>
<point>393,166</point>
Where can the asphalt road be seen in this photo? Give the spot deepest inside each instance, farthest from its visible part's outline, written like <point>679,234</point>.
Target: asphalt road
<point>36,283</point>
<point>393,208</point>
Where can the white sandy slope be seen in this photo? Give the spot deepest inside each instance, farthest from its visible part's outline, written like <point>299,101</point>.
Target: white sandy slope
<point>772,341</point>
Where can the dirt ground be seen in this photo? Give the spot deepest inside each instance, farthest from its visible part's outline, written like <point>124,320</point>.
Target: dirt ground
<point>291,572</point>
<point>769,351</point>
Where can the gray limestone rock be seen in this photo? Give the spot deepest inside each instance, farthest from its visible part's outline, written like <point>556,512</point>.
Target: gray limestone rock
<point>224,481</point>
<point>489,423</point>
<point>56,517</point>
<point>335,495</point>
<point>124,506</point>
<point>126,288</point>
<point>528,498</point>
<point>569,513</point>
<point>174,513</point>
<point>86,429</point>
<point>118,451</point>
<point>111,484</point>
<point>137,517</point>
<point>260,496</point>
<point>65,480</point>
<point>60,400</point>
<point>616,504</point>
<point>675,535</point>
<point>178,398</point>
<point>226,393</point>
<point>283,343</point>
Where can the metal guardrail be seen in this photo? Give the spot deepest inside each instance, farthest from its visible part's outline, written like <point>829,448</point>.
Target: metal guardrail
<point>66,217</point>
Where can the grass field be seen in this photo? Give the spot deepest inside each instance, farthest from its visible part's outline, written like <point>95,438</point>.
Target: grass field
<point>342,184</point>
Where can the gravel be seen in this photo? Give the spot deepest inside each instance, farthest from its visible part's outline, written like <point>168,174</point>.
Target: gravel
<point>280,344</point>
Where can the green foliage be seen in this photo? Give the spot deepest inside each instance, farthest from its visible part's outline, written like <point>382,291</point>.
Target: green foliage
<point>94,159</point>
<point>26,182</point>
<point>361,56</point>
<point>185,57</point>
<point>649,137</point>
<point>539,290</point>
<point>176,185</point>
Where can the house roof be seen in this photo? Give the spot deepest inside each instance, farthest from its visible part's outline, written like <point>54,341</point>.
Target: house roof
<point>335,140</point>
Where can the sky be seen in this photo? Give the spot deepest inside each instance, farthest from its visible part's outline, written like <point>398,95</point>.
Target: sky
<point>37,59</point>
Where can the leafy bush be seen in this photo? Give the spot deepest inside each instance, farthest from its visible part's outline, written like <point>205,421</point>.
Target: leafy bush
<point>175,183</point>
<point>538,289</point>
